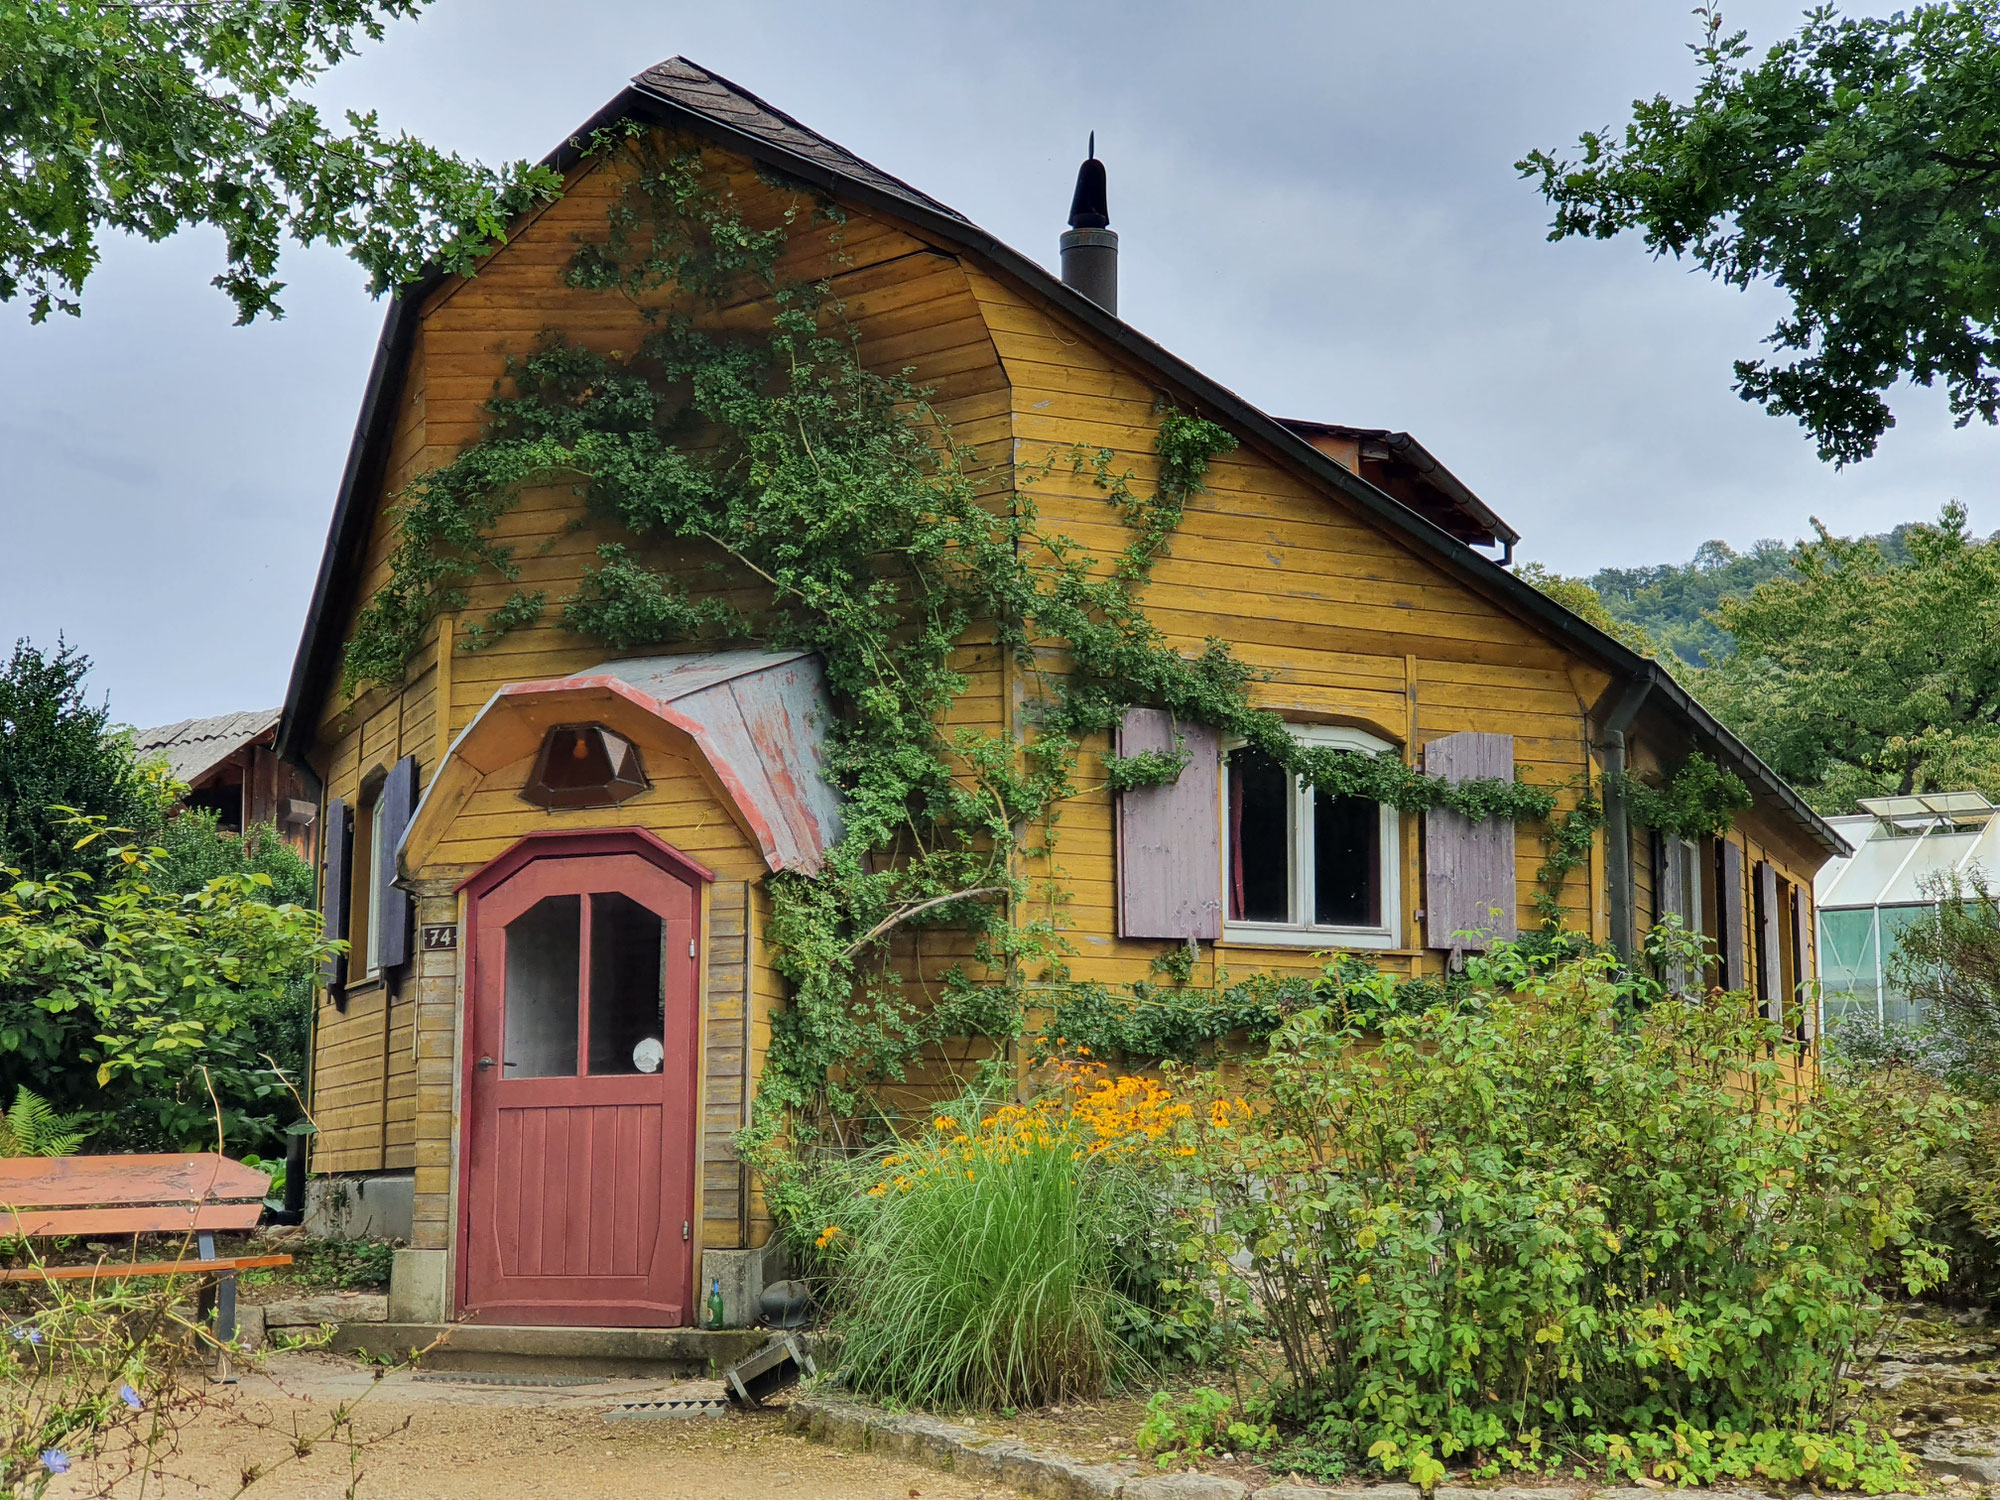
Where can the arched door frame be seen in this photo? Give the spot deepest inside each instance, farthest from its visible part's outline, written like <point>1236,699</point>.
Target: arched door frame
<point>532,848</point>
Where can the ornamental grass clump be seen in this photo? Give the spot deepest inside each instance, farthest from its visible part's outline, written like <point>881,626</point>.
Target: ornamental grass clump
<point>1571,1217</point>
<point>997,1259</point>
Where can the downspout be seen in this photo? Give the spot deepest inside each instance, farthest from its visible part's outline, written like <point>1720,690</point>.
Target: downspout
<point>1617,826</point>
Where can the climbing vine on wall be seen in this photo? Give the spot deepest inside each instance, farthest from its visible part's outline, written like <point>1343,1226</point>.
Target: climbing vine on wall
<point>1700,800</point>
<point>763,484</point>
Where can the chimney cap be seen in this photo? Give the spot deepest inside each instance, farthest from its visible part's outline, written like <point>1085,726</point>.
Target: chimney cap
<point>1089,208</point>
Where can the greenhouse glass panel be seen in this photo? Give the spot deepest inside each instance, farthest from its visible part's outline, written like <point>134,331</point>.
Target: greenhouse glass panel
<point>1847,962</point>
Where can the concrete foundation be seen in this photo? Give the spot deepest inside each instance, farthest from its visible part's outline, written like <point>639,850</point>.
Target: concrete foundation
<point>418,1292</point>
<point>743,1274</point>
<point>361,1205</point>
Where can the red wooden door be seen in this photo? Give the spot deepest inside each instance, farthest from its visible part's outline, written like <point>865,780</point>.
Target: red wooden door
<point>579,1201</point>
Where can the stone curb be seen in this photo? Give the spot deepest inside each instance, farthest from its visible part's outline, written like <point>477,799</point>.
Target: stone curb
<point>946,1446</point>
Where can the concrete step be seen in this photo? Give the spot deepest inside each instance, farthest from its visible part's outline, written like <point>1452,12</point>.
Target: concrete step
<point>677,1352</point>
<point>328,1307</point>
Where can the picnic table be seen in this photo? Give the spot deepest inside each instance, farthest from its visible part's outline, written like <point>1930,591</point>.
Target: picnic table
<point>192,1196</point>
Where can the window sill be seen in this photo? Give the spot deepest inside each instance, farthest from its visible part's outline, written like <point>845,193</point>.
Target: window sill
<point>1309,937</point>
<point>361,988</point>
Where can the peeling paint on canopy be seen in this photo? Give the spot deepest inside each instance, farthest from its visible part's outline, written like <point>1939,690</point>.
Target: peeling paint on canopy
<point>759,719</point>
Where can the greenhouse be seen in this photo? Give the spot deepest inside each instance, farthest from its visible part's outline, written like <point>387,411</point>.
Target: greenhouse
<point>1905,849</point>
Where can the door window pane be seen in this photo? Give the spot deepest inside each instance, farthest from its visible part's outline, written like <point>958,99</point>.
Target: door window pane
<point>1260,802</point>
<point>1347,835</point>
<point>628,996</point>
<point>544,949</point>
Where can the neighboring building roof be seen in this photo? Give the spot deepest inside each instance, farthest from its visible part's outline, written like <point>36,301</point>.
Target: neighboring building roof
<point>680,94</point>
<point>194,747</point>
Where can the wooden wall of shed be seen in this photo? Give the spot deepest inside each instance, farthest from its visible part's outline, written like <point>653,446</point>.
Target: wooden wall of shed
<point>913,310</point>
<point>1350,624</point>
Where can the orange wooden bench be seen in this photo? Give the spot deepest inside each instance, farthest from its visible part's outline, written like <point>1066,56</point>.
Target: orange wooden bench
<point>42,1196</point>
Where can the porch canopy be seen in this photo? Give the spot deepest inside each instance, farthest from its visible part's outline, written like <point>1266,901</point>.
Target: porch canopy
<point>756,722</point>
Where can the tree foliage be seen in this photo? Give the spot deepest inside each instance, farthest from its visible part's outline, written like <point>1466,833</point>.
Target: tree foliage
<point>58,751</point>
<point>127,1001</point>
<point>1856,676</point>
<point>1855,167</point>
<point>149,118</point>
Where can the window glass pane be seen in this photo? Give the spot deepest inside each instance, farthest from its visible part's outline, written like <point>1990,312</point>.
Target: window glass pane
<point>379,875</point>
<point>1347,838</point>
<point>628,997</point>
<point>544,947</point>
<point>1260,845</point>
<point>1899,1008</point>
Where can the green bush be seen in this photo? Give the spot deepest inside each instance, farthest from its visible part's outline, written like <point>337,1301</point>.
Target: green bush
<point>1567,1212</point>
<point>1009,1257</point>
<point>148,1010</point>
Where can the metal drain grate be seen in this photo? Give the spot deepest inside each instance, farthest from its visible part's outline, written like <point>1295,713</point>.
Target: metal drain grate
<point>705,1406</point>
<point>494,1377</point>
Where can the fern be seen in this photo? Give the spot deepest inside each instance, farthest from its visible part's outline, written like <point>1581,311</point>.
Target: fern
<point>30,1127</point>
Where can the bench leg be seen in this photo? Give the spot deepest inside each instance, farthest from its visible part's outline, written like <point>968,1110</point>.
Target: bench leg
<point>223,1299</point>
<point>225,1307</point>
<point>204,1302</point>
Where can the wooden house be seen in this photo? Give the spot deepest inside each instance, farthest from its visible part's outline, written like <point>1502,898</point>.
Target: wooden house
<point>230,768</point>
<point>520,838</point>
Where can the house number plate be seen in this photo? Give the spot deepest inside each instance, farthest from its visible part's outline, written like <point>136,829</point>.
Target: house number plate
<point>444,935</point>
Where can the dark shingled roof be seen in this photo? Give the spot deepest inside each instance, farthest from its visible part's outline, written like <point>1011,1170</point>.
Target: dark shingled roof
<point>678,94</point>
<point>692,86</point>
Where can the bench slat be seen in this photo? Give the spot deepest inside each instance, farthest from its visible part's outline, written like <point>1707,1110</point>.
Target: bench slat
<point>117,1270</point>
<point>107,1181</point>
<point>174,1218</point>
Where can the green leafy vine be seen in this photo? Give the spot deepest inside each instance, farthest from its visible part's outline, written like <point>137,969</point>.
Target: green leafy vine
<point>763,484</point>
<point>1700,800</point>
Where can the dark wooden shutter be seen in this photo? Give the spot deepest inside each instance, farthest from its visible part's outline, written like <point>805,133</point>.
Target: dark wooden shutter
<point>392,903</point>
<point>1769,967</point>
<point>338,839</point>
<point>1170,837</point>
<point>1468,867</point>
<point>1805,967</point>
<point>1730,903</point>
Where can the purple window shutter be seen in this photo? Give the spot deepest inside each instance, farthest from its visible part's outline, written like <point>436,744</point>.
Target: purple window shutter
<point>392,903</point>
<point>1170,837</point>
<point>1768,971</point>
<point>1735,975</point>
<point>1469,899</point>
<point>337,837</point>
<point>1808,995</point>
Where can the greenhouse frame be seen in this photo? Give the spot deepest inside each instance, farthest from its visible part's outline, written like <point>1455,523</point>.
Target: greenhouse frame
<point>1905,848</point>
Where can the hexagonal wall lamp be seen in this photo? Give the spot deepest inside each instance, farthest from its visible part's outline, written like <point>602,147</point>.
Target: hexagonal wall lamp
<point>585,765</point>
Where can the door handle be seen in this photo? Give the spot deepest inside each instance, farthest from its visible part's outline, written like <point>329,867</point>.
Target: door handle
<point>483,1064</point>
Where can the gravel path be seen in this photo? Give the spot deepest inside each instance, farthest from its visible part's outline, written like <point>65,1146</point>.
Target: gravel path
<point>438,1441</point>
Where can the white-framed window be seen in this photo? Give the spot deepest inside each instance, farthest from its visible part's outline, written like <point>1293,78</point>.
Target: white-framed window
<point>1304,870</point>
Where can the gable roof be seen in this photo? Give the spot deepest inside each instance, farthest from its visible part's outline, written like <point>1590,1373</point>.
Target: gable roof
<point>194,747</point>
<point>680,94</point>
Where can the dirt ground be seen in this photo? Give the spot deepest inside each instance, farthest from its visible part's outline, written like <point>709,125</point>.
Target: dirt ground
<point>437,1439</point>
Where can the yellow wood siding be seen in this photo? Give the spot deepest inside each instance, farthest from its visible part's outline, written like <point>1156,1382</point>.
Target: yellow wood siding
<point>1344,622</point>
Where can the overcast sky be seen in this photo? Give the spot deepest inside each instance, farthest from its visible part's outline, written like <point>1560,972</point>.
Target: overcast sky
<point>1317,206</point>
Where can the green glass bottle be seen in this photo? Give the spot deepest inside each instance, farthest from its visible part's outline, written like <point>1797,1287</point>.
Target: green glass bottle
<point>715,1303</point>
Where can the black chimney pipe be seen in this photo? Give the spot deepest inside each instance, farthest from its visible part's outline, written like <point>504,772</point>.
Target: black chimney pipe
<point>1090,246</point>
